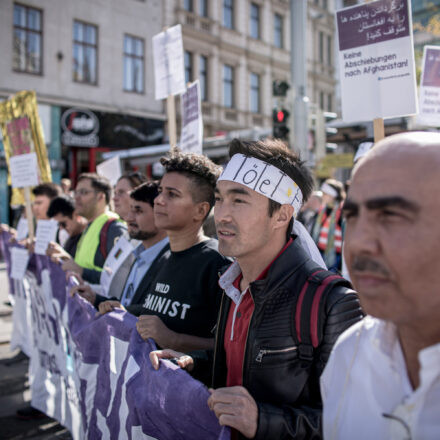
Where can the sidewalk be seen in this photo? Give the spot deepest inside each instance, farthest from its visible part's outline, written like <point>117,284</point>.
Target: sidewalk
<point>14,384</point>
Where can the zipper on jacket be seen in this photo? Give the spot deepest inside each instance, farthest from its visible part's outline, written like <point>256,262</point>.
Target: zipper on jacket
<point>261,353</point>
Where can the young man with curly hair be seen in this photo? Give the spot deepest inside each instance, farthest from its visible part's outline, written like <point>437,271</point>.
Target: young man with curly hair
<point>180,303</point>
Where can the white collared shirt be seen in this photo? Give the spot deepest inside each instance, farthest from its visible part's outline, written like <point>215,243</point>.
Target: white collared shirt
<point>366,377</point>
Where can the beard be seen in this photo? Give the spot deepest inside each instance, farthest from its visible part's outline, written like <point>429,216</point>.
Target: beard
<point>142,235</point>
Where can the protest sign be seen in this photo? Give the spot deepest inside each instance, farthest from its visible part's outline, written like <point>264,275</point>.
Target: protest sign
<point>376,59</point>
<point>23,134</point>
<point>118,254</point>
<point>429,91</point>
<point>46,232</point>
<point>169,70</point>
<point>23,169</point>
<point>110,169</point>
<point>191,138</point>
<point>22,229</point>
<point>19,262</point>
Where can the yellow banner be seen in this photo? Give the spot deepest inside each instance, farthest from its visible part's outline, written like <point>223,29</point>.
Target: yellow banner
<point>23,134</point>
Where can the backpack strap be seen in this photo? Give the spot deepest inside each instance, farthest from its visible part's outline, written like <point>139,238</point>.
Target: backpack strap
<point>103,237</point>
<point>308,325</point>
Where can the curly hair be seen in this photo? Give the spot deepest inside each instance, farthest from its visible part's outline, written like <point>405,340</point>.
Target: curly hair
<point>201,171</point>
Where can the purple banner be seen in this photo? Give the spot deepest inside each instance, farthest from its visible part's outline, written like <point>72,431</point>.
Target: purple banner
<point>101,366</point>
<point>431,71</point>
<point>371,23</point>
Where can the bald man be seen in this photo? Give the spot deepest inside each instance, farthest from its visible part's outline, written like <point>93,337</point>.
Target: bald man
<point>383,377</point>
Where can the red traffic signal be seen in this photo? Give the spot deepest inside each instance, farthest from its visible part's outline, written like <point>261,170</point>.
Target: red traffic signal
<point>280,116</point>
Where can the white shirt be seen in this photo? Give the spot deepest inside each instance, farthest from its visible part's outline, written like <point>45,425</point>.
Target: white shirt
<point>366,377</point>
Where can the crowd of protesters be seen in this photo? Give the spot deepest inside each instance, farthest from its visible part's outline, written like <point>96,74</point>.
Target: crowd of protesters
<point>255,307</point>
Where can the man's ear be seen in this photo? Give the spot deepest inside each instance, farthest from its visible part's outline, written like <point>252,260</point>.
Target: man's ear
<point>283,216</point>
<point>201,211</point>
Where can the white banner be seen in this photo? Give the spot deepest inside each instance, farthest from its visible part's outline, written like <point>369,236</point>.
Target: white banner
<point>376,60</point>
<point>191,138</point>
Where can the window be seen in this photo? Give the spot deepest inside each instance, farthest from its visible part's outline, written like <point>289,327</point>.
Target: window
<point>203,75</point>
<point>321,47</point>
<point>27,51</point>
<point>85,48</point>
<point>330,102</point>
<point>278,31</point>
<point>228,86</point>
<point>133,64</point>
<point>321,100</point>
<point>329,50</point>
<point>228,14</point>
<point>203,8</point>
<point>188,5</point>
<point>255,93</point>
<point>255,21</point>
<point>188,66</point>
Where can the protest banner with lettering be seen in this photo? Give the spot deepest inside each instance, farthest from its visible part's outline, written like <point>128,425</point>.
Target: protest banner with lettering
<point>191,138</point>
<point>376,59</point>
<point>93,373</point>
<point>429,91</point>
<point>23,134</point>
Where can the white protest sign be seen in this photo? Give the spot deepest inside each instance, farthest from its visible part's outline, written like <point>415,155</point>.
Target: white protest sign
<point>191,138</point>
<point>376,60</point>
<point>169,70</point>
<point>119,252</point>
<point>46,232</point>
<point>24,170</point>
<point>429,93</point>
<point>22,229</point>
<point>19,262</point>
<point>110,169</point>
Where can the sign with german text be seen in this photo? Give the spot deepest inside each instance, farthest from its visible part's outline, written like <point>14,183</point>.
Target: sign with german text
<point>191,138</point>
<point>23,169</point>
<point>429,93</point>
<point>376,59</point>
<point>169,71</point>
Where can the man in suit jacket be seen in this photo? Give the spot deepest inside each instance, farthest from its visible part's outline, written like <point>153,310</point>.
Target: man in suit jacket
<point>138,266</point>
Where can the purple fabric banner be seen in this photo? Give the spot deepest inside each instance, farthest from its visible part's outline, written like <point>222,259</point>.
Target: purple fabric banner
<point>4,246</point>
<point>94,375</point>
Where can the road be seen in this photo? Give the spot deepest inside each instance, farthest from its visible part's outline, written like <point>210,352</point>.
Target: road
<point>14,383</point>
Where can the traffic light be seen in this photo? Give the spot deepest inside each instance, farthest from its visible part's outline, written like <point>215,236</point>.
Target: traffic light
<point>279,88</point>
<point>280,117</point>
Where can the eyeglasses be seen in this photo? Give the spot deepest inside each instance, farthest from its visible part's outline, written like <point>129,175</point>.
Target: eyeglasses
<point>83,192</point>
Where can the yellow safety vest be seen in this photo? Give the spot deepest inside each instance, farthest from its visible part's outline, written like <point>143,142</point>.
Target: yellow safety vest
<point>89,242</point>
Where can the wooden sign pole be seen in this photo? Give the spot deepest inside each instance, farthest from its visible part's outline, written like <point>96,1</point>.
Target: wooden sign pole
<point>29,216</point>
<point>171,110</point>
<point>379,129</point>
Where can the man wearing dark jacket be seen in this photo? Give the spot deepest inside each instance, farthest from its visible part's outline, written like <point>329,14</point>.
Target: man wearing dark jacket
<point>281,312</point>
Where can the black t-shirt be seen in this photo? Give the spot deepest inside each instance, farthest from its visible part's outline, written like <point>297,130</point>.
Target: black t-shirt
<point>184,292</point>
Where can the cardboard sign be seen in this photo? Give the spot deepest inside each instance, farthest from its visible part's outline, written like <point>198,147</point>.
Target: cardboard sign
<point>110,169</point>
<point>169,69</point>
<point>429,96</point>
<point>191,138</point>
<point>46,232</point>
<point>376,60</point>
<point>19,262</point>
<point>24,170</point>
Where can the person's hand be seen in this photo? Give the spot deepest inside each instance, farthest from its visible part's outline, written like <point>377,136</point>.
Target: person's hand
<point>109,306</point>
<point>182,360</point>
<point>151,326</point>
<point>77,276</point>
<point>57,253</point>
<point>28,244</point>
<point>235,407</point>
<point>70,265</point>
<point>85,291</point>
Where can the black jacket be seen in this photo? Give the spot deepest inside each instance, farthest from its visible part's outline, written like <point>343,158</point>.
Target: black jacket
<point>285,386</point>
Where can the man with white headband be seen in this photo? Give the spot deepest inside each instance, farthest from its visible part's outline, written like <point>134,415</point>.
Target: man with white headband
<point>281,312</point>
